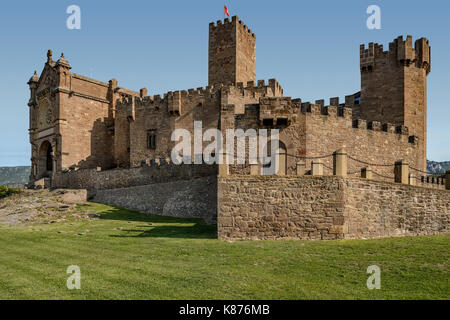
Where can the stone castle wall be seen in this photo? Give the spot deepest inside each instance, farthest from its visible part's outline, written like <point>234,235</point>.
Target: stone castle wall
<point>268,207</point>
<point>188,191</point>
<point>374,144</point>
<point>194,198</point>
<point>176,110</point>
<point>316,208</point>
<point>86,139</point>
<point>313,131</point>
<point>92,179</point>
<point>135,116</point>
<point>376,209</point>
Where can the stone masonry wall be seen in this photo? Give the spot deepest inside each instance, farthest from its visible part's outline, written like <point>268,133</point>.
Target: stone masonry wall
<point>177,110</point>
<point>188,191</point>
<point>195,198</point>
<point>93,180</point>
<point>373,143</point>
<point>314,130</point>
<point>135,116</point>
<point>376,209</point>
<point>315,208</point>
<point>271,207</point>
<point>86,140</point>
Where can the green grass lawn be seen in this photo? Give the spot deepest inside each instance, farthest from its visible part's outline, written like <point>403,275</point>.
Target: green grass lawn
<point>127,255</point>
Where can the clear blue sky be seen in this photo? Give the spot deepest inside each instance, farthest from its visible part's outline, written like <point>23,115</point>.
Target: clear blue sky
<point>311,47</point>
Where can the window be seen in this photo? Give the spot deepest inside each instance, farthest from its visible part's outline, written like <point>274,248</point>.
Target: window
<point>151,139</point>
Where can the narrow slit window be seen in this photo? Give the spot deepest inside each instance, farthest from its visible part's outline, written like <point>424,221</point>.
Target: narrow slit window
<point>151,139</point>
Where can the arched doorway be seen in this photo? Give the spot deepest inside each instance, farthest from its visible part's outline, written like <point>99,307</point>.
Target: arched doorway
<point>49,160</point>
<point>45,165</point>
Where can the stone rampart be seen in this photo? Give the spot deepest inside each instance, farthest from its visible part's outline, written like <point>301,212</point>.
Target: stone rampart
<point>327,208</point>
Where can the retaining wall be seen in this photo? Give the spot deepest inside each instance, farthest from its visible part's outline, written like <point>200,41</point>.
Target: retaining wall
<point>327,207</point>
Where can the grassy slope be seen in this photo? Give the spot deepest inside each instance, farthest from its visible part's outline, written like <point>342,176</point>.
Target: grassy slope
<point>126,255</point>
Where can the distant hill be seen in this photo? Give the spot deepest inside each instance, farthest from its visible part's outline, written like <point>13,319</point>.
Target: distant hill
<point>437,167</point>
<point>14,175</point>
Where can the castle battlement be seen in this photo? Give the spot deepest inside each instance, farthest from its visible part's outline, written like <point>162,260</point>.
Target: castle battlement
<point>342,112</point>
<point>385,127</point>
<point>332,110</point>
<point>234,21</point>
<point>249,89</point>
<point>400,51</point>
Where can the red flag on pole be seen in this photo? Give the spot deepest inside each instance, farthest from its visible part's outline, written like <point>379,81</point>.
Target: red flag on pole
<point>226,11</point>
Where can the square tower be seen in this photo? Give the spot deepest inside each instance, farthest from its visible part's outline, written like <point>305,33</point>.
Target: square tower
<point>232,52</point>
<point>394,86</point>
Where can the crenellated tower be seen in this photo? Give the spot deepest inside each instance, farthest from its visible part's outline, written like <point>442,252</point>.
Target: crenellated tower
<point>232,52</point>
<point>394,86</point>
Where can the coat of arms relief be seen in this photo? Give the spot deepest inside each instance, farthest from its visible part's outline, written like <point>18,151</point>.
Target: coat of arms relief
<point>45,114</point>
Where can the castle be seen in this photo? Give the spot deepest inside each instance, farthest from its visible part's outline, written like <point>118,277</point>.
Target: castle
<point>91,134</point>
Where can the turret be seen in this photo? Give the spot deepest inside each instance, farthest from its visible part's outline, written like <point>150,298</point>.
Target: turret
<point>63,68</point>
<point>33,84</point>
<point>63,63</point>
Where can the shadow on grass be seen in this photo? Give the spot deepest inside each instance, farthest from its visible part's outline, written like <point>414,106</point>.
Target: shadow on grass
<point>196,231</point>
<point>160,226</point>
